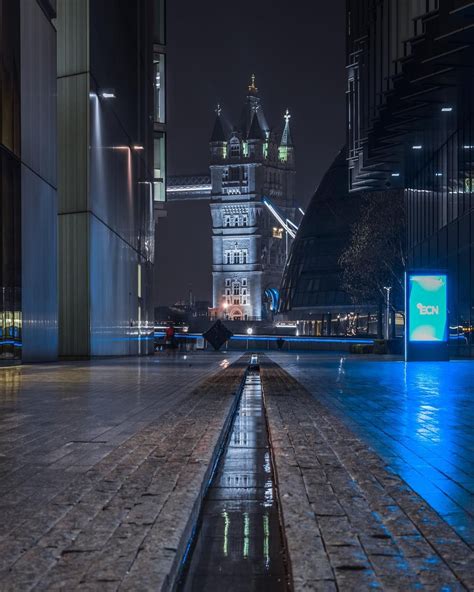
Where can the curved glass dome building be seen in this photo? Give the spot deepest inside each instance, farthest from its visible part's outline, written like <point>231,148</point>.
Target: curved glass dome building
<point>311,292</point>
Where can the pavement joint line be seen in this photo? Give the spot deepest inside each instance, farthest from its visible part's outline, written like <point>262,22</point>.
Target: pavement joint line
<point>438,556</point>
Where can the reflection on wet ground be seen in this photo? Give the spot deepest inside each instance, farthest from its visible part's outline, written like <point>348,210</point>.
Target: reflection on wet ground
<point>418,417</point>
<point>239,545</point>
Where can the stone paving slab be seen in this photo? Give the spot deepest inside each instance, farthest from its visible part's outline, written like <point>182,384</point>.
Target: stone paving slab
<point>351,524</point>
<point>418,417</point>
<point>118,514</point>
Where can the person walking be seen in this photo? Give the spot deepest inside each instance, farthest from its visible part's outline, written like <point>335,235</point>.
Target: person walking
<point>170,339</point>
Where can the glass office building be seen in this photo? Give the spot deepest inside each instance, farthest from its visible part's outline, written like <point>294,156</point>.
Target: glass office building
<point>311,293</point>
<point>28,207</point>
<point>111,171</point>
<point>410,125</point>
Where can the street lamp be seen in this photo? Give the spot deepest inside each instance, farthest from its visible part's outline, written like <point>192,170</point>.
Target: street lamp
<point>387,313</point>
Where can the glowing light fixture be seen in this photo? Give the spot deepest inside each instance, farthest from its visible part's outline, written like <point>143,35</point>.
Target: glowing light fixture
<point>288,229</point>
<point>438,174</point>
<point>395,174</point>
<point>417,147</point>
<point>249,331</point>
<point>138,147</point>
<point>108,95</point>
<point>446,109</point>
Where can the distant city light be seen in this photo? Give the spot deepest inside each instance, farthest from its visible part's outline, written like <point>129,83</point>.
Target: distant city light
<point>395,174</point>
<point>108,95</point>
<point>438,174</point>
<point>446,109</point>
<point>468,147</point>
<point>417,147</point>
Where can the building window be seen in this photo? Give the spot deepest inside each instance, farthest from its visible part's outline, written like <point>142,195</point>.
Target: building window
<point>236,257</point>
<point>244,256</point>
<point>159,24</point>
<point>227,282</point>
<point>159,87</point>
<point>159,167</point>
<point>244,282</point>
<point>227,221</point>
<point>234,147</point>
<point>234,174</point>
<point>236,221</point>
<point>245,220</point>
<point>228,257</point>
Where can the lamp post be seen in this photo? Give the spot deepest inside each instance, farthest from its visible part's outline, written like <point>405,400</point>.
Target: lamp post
<point>387,312</point>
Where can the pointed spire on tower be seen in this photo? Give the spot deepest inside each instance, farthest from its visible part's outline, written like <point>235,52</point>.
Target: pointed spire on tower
<point>252,87</point>
<point>218,134</point>
<point>255,131</point>
<point>286,139</point>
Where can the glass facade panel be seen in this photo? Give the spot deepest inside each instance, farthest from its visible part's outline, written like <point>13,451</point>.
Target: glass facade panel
<point>10,181</point>
<point>159,169</point>
<point>10,257</point>
<point>159,22</point>
<point>10,76</point>
<point>159,87</point>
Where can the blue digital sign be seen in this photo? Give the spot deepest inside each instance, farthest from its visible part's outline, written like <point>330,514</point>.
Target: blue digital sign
<point>427,308</point>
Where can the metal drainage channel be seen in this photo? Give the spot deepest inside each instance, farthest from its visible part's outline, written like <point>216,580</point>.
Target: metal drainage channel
<point>238,545</point>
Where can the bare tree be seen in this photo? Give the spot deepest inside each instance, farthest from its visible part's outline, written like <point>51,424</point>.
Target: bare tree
<point>376,254</point>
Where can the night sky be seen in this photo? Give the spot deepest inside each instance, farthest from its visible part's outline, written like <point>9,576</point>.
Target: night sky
<point>297,51</point>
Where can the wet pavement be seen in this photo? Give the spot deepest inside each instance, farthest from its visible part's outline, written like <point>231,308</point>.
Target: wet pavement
<point>350,523</point>
<point>101,466</point>
<point>418,417</point>
<point>239,545</point>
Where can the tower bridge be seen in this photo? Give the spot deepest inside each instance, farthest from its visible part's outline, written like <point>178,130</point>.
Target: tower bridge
<point>251,190</point>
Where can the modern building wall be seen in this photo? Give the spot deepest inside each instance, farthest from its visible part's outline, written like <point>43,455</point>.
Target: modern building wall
<point>414,130</point>
<point>106,93</point>
<point>28,181</point>
<point>248,165</point>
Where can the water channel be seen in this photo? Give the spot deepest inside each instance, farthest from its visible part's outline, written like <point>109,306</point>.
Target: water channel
<point>238,545</point>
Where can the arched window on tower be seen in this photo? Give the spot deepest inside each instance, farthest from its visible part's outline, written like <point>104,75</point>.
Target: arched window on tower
<point>234,147</point>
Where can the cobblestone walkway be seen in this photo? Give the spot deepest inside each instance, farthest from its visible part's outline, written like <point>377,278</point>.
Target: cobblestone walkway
<point>101,465</point>
<point>350,524</point>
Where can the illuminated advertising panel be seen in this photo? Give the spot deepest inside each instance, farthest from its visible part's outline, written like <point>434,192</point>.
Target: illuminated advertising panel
<point>427,308</point>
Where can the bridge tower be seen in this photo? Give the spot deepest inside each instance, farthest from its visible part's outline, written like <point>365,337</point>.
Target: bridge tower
<point>248,163</point>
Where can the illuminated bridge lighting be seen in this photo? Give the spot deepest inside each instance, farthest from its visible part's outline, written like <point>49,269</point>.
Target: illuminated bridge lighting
<point>189,188</point>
